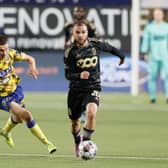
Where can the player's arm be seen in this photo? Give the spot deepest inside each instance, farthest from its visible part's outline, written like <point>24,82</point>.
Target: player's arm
<point>32,66</point>
<point>144,49</point>
<point>69,66</point>
<point>145,41</point>
<point>21,56</point>
<point>104,46</point>
<point>118,53</point>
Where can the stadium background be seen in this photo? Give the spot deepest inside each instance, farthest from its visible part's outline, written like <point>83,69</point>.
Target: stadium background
<point>36,27</point>
<point>130,133</point>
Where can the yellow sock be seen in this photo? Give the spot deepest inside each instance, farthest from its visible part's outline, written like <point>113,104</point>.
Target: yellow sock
<point>39,134</point>
<point>9,125</point>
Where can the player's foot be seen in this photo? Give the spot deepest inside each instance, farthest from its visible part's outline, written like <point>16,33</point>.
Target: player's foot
<point>8,138</point>
<point>51,148</point>
<point>153,101</point>
<point>77,146</point>
<point>76,150</point>
<point>83,117</point>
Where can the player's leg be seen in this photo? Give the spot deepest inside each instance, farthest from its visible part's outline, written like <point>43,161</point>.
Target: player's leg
<point>5,131</point>
<point>83,117</point>
<point>24,115</point>
<point>90,123</point>
<point>74,103</point>
<point>92,102</point>
<point>11,122</point>
<point>165,73</point>
<point>75,130</point>
<point>153,71</point>
<point>14,104</point>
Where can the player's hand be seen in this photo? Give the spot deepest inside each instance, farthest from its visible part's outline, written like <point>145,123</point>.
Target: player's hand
<point>84,75</point>
<point>143,57</point>
<point>34,73</point>
<point>121,61</point>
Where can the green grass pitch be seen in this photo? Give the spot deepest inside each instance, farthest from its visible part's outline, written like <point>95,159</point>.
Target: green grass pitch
<point>130,133</point>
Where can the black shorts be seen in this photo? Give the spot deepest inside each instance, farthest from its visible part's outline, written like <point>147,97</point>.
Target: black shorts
<point>77,102</point>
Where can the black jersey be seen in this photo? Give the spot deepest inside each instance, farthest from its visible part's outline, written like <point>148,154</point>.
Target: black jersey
<point>69,26</point>
<point>78,59</point>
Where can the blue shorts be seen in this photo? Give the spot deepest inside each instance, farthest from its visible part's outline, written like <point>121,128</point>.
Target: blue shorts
<point>17,96</point>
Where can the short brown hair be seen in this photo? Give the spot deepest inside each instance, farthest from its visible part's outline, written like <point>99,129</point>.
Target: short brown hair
<point>3,39</point>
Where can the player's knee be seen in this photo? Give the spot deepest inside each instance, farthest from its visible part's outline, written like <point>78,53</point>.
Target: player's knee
<point>91,110</point>
<point>17,119</point>
<point>91,114</point>
<point>26,115</point>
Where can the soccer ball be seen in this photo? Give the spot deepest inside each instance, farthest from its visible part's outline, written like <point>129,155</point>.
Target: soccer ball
<point>87,150</point>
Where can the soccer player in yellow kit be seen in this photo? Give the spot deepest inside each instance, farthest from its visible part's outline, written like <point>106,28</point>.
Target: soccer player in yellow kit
<point>12,97</point>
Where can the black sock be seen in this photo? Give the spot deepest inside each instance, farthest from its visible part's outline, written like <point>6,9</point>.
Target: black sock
<point>87,134</point>
<point>76,136</point>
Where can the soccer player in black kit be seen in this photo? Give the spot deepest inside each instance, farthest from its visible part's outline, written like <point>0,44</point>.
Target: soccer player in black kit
<point>82,69</point>
<point>79,14</point>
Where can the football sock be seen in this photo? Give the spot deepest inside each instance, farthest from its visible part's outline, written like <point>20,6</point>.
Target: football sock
<point>9,125</point>
<point>35,129</point>
<point>76,136</point>
<point>87,134</point>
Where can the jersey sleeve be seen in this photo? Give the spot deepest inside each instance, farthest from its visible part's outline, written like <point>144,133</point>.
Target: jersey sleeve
<point>145,41</point>
<point>17,56</point>
<point>106,47</point>
<point>69,66</point>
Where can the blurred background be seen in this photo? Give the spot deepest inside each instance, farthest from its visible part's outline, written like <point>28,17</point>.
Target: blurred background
<point>131,132</point>
<point>37,27</point>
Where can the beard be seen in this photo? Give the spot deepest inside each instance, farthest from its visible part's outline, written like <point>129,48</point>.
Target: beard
<point>81,42</point>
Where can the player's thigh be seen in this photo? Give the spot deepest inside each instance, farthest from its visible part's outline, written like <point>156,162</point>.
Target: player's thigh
<point>74,102</point>
<point>92,97</point>
<point>15,108</point>
<point>17,96</point>
<point>91,110</point>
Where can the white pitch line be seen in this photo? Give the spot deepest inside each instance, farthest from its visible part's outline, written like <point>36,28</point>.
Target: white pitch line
<point>97,157</point>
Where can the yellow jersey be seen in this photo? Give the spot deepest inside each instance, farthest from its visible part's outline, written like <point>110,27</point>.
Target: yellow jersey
<point>8,77</point>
